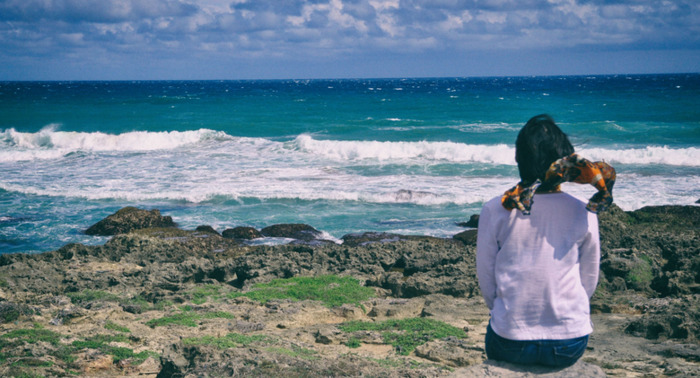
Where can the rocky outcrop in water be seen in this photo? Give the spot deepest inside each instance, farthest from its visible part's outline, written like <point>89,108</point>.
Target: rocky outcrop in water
<point>242,233</point>
<point>129,219</point>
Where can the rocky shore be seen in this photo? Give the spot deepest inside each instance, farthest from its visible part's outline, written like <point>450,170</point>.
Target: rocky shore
<point>157,300</point>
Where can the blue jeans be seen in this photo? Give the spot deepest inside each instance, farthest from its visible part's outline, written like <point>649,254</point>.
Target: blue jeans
<point>555,353</point>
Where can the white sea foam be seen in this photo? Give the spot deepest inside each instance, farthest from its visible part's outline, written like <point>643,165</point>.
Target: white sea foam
<point>49,143</point>
<point>446,151</point>
<point>631,190</point>
<point>307,169</point>
<point>482,153</point>
<point>649,155</point>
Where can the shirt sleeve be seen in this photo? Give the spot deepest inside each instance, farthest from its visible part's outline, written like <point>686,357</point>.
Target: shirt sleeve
<point>589,256</point>
<point>486,250</point>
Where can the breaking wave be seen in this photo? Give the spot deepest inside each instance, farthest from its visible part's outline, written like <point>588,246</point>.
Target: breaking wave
<point>49,143</point>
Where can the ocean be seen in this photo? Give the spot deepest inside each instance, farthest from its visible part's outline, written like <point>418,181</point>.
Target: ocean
<point>408,156</point>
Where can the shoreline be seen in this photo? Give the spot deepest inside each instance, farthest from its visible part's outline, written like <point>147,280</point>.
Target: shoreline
<point>159,301</point>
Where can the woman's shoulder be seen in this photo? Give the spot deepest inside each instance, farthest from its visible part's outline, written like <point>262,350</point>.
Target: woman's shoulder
<point>493,209</point>
<point>566,197</point>
<point>494,203</point>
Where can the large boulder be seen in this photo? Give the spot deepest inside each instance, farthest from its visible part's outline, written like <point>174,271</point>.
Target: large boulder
<point>242,233</point>
<point>128,219</point>
<point>291,230</point>
<point>473,222</point>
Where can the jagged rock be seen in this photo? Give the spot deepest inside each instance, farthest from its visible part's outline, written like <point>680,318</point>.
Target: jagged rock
<point>196,361</point>
<point>671,216</point>
<point>365,238</point>
<point>501,369</point>
<point>206,229</point>
<point>67,314</point>
<point>467,237</point>
<point>656,247</point>
<point>451,351</point>
<point>473,222</point>
<point>247,327</point>
<point>348,311</point>
<point>176,359</point>
<point>326,336</point>
<point>689,352</point>
<point>668,318</point>
<point>243,233</point>
<point>10,311</point>
<point>631,266</point>
<point>395,308</point>
<point>128,219</point>
<point>132,308</point>
<point>291,230</point>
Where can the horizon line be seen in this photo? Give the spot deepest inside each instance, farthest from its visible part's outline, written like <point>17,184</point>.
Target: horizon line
<point>357,78</point>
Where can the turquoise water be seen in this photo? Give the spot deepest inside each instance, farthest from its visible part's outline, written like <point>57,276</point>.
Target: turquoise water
<point>411,156</point>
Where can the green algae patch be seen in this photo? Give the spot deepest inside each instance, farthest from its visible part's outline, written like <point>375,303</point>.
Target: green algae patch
<point>295,352</point>
<point>188,318</point>
<point>202,294</point>
<point>18,354</point>
<point>405,334</point>
<point>231,340</point>
<point>136,304</point>
<point>331,290</point>
<point>118,353</point>
<point>87,296</point>
<point>116,327</point>
<point>30,336</point>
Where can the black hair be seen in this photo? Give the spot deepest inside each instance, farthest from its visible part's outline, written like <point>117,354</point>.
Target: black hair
<point>540,142</point>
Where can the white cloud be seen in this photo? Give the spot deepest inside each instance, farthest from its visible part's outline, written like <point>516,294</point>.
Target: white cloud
<point>304,29</point>
<point>492,17</point>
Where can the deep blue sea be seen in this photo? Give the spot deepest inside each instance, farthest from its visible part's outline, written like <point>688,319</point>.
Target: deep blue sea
<point>411,156</point>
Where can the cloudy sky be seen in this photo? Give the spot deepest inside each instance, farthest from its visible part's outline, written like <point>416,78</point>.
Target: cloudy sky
<point>270,39</point>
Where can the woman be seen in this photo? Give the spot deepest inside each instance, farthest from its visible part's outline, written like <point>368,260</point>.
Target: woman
<point>538,268</point>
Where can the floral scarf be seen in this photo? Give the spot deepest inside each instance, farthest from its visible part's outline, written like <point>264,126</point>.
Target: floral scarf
<point>572,168</point>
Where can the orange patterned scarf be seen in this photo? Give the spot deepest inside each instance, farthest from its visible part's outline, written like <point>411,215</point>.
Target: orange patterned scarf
<point>572,168</point>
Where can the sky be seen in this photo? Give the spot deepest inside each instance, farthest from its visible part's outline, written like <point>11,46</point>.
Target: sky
<point>299,39</point>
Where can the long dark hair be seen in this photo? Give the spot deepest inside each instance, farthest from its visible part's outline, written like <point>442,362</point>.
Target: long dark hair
<point>540,142</point>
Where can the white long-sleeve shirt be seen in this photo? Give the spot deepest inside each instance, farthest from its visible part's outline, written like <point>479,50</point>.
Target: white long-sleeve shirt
<point>537,272</point>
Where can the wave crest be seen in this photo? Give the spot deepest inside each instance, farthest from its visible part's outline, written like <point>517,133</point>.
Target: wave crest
<point>49,143</point>
<point>445,151</point>
<point>689,157</point>
<point>452,152</point>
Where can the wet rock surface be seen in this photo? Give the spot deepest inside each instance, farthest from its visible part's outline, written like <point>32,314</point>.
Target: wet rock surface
<point>133,306</point>
<point>129,219</point>
<point>293,231</point>
<point>241,232</point>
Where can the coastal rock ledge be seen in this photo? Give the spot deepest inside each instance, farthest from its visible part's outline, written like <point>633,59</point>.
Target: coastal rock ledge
<point>159,301</point>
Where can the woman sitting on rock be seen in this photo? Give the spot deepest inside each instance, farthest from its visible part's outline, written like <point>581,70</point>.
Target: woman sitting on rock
<point>538,262</point>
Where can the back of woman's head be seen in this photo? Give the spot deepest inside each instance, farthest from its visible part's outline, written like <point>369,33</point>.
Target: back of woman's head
<point>540,143</point>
